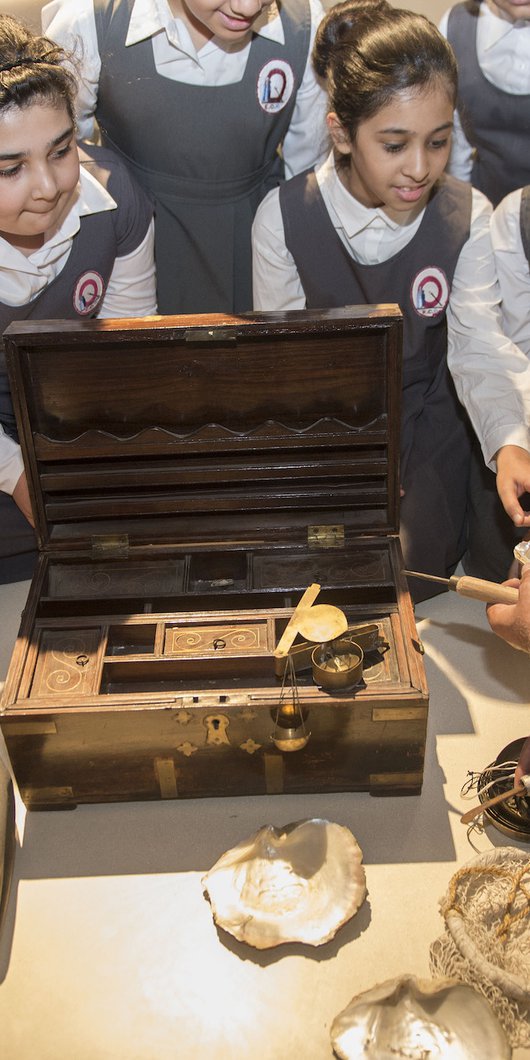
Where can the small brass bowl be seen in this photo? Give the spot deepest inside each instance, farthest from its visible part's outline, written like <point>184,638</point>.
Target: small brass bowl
<point>337,665</point>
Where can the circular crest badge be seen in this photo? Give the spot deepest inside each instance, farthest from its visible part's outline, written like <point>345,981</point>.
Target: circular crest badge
<point>275,85</point>
<point>430,292</point>
<point>88,292</point>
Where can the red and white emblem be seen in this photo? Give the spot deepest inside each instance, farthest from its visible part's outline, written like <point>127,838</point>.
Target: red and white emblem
<point>88,292</point>
<point>430,292</point>
<point>275,85</point>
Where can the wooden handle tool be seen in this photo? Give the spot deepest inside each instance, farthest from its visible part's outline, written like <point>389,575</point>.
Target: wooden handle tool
<point>477,588</point>
<point>288,636</point>
<point>519,789</point>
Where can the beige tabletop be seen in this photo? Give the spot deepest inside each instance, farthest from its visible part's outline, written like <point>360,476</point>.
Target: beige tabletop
<point>110,952</point>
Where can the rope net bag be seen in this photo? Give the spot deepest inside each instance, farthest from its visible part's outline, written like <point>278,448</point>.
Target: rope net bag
<point>486,942</point>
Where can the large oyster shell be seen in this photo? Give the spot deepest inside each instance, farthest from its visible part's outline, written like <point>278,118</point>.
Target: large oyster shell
<point>419,1019</point>
<point>299,883</point>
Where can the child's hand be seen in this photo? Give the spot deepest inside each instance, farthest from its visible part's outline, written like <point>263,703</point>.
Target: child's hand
<point>513,479</point>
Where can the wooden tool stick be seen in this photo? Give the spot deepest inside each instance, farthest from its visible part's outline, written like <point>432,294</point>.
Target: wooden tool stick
<point>488,592</point>
<point>289,634</point>
<point>477,588</point>
<point>519,789</point>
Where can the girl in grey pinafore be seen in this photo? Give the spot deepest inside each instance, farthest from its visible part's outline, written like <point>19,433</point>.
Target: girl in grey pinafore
<point>496,123</point>
<point>104,234</point>
<point>379,222</point>
<point>435,433</point>
<point>101,238</point>
<point>206,171</point>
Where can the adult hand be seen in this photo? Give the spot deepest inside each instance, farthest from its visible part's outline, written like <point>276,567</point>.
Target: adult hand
<point>21,498</point>
<point>513,479</point>
<point>512,621</point>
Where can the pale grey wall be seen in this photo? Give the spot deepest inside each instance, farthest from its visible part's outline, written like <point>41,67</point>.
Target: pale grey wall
<point>28,11</point>
<point>434,9</point>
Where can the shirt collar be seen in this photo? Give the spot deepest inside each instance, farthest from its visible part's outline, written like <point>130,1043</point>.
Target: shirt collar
<point>93,197</point>
<point>353,216</point>
<point>494,25</point>
<point>149,17</point>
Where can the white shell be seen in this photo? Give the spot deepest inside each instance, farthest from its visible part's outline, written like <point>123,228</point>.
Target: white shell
<point>522,552</point>
<point>299,883</point>
<point>418,1019</point>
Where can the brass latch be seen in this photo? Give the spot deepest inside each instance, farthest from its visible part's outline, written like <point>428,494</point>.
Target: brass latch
<point>110,546</point>
<point>218,336</point>
<point>331,536</point>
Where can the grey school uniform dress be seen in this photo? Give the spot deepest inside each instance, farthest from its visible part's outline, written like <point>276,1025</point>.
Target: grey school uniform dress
<point>496,123</point>
<point>207,154</point>
<point>435,433</point>
<point>76,293</point>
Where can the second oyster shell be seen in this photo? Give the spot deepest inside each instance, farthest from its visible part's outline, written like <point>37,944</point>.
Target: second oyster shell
<point>412,1019</point>
<point>299,883</point>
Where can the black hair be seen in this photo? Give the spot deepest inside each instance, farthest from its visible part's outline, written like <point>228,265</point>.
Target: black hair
<point>367,51</point>
<point>32,70</point>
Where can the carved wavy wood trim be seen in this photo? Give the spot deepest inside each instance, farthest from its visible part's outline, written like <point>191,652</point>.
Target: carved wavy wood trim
<point>271,432</point>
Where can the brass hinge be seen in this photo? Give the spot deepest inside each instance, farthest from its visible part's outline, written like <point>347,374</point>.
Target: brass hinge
<point>325,536</point>
<point>110,546</point>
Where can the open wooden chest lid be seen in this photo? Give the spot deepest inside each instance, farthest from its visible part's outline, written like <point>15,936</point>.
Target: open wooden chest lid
<point>235,430</point>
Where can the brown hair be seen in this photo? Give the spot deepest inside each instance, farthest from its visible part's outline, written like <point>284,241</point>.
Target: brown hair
<point>31,69</point>
<point>367,51</point>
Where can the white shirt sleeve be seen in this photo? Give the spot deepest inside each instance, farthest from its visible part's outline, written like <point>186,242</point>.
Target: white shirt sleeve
<point>491,373</point>
<point>275,279</point>
<point>306,142</point>
<point>71,23</point>
<point>460,161</point>
<point>512,270</point>
<point>11,463</point>
<point>131,290</point>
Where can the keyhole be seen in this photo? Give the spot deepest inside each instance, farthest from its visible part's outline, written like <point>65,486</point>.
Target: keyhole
<point>216,725</point>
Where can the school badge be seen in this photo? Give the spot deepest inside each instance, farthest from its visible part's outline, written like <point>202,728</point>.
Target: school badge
<point>275,85</point>
<point>430,292</point>
<point>88,292</point>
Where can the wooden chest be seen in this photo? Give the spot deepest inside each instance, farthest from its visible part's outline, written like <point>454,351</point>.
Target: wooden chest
<point>190,478</point>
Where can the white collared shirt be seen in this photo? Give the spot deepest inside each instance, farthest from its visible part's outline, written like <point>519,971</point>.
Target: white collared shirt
<point>131,290</point>
<point>512,269</point>
<point>72,24</point>
<point>503,53</point>
<point>491,374</point>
